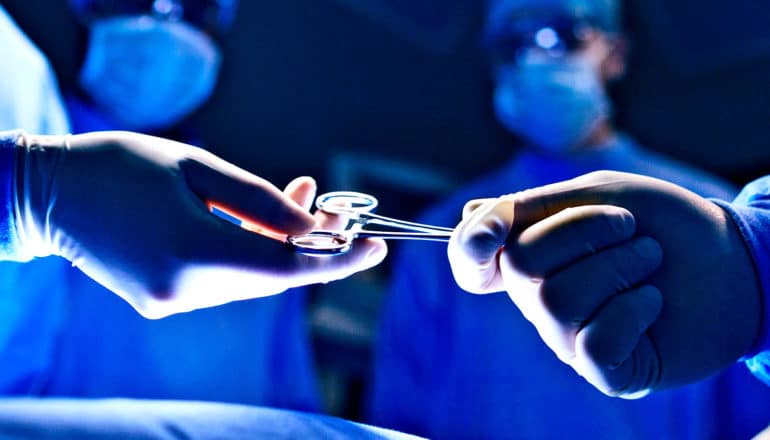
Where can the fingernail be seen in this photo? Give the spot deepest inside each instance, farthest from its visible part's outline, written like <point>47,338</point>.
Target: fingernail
<point>309,179</point>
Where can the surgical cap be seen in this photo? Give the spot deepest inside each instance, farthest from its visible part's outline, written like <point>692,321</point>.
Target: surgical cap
<point>604,14</point>
<point>217,13</point>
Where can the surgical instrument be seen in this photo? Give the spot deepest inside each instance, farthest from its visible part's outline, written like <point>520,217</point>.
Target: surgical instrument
<point>358,209</point>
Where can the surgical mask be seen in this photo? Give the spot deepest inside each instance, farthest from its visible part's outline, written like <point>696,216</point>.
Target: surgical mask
<point>555,104</point>
<point>148,73</point>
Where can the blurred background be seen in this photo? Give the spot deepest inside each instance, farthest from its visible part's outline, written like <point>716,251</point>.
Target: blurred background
<point>323,87</point>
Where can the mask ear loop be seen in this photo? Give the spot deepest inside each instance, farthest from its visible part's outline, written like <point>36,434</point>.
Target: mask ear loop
<point>617,53</point>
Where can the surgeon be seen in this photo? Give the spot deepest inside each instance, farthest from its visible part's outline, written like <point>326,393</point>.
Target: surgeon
<point>148,65</point>
<point>132,212</point>
<point>451,365</point>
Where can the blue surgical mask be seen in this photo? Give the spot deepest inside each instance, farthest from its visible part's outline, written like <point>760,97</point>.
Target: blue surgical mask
<point>554,103</point>
<point>148,73</point>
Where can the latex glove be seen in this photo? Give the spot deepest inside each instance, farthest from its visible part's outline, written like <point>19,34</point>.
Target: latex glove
<point>132,212</point>
<point>655,291</point>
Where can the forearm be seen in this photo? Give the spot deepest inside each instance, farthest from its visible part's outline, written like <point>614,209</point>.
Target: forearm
<point>9,242</point>
<point>27,165</point>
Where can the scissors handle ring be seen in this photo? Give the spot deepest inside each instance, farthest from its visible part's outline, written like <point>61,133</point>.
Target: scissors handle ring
<point>343,202</point>
<point>321,243</point>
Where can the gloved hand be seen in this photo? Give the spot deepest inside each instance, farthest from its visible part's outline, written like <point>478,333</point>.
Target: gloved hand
<point>132,212</point>
<point>636,283</point>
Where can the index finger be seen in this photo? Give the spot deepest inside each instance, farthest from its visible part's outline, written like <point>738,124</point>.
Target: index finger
<point>598,188</point>
<point>244,195</point>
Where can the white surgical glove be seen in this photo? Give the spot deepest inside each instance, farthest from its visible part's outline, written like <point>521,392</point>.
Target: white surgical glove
<point>132,212</point>
<point>636,283</point>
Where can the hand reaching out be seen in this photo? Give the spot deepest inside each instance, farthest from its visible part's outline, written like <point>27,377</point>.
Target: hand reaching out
<point>636,283</point>
<point>132,212</point>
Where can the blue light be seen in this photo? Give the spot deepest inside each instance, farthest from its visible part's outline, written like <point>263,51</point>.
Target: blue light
<point>547,38</point>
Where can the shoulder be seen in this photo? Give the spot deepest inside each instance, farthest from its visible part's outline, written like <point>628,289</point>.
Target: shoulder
<point>17,48</point>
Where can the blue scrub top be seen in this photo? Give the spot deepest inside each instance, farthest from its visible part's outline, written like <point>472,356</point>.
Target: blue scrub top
<point>29,91</point>
<point>453,365</point>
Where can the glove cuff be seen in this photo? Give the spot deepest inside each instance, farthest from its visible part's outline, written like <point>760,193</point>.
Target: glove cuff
<point>751,212</point>
<point>751,223</point>
<point>10,246</point>
<point>36,162</point>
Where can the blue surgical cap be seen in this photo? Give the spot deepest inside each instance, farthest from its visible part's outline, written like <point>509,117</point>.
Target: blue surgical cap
<point>604,14</point>
<point>196,11</point>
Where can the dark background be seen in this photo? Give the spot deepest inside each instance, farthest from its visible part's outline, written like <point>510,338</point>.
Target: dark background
<point>304,79</point>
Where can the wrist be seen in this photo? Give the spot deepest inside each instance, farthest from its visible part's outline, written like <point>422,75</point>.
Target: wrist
<point>753,286</point>
<point>37,159</point>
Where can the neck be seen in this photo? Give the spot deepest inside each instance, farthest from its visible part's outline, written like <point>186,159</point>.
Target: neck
<point>599,137</point>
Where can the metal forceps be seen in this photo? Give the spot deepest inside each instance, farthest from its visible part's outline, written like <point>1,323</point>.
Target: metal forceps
<point>359,207</point>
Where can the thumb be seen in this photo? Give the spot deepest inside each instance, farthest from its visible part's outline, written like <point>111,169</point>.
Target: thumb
<point>244,195</point>
<point>476,243</point>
